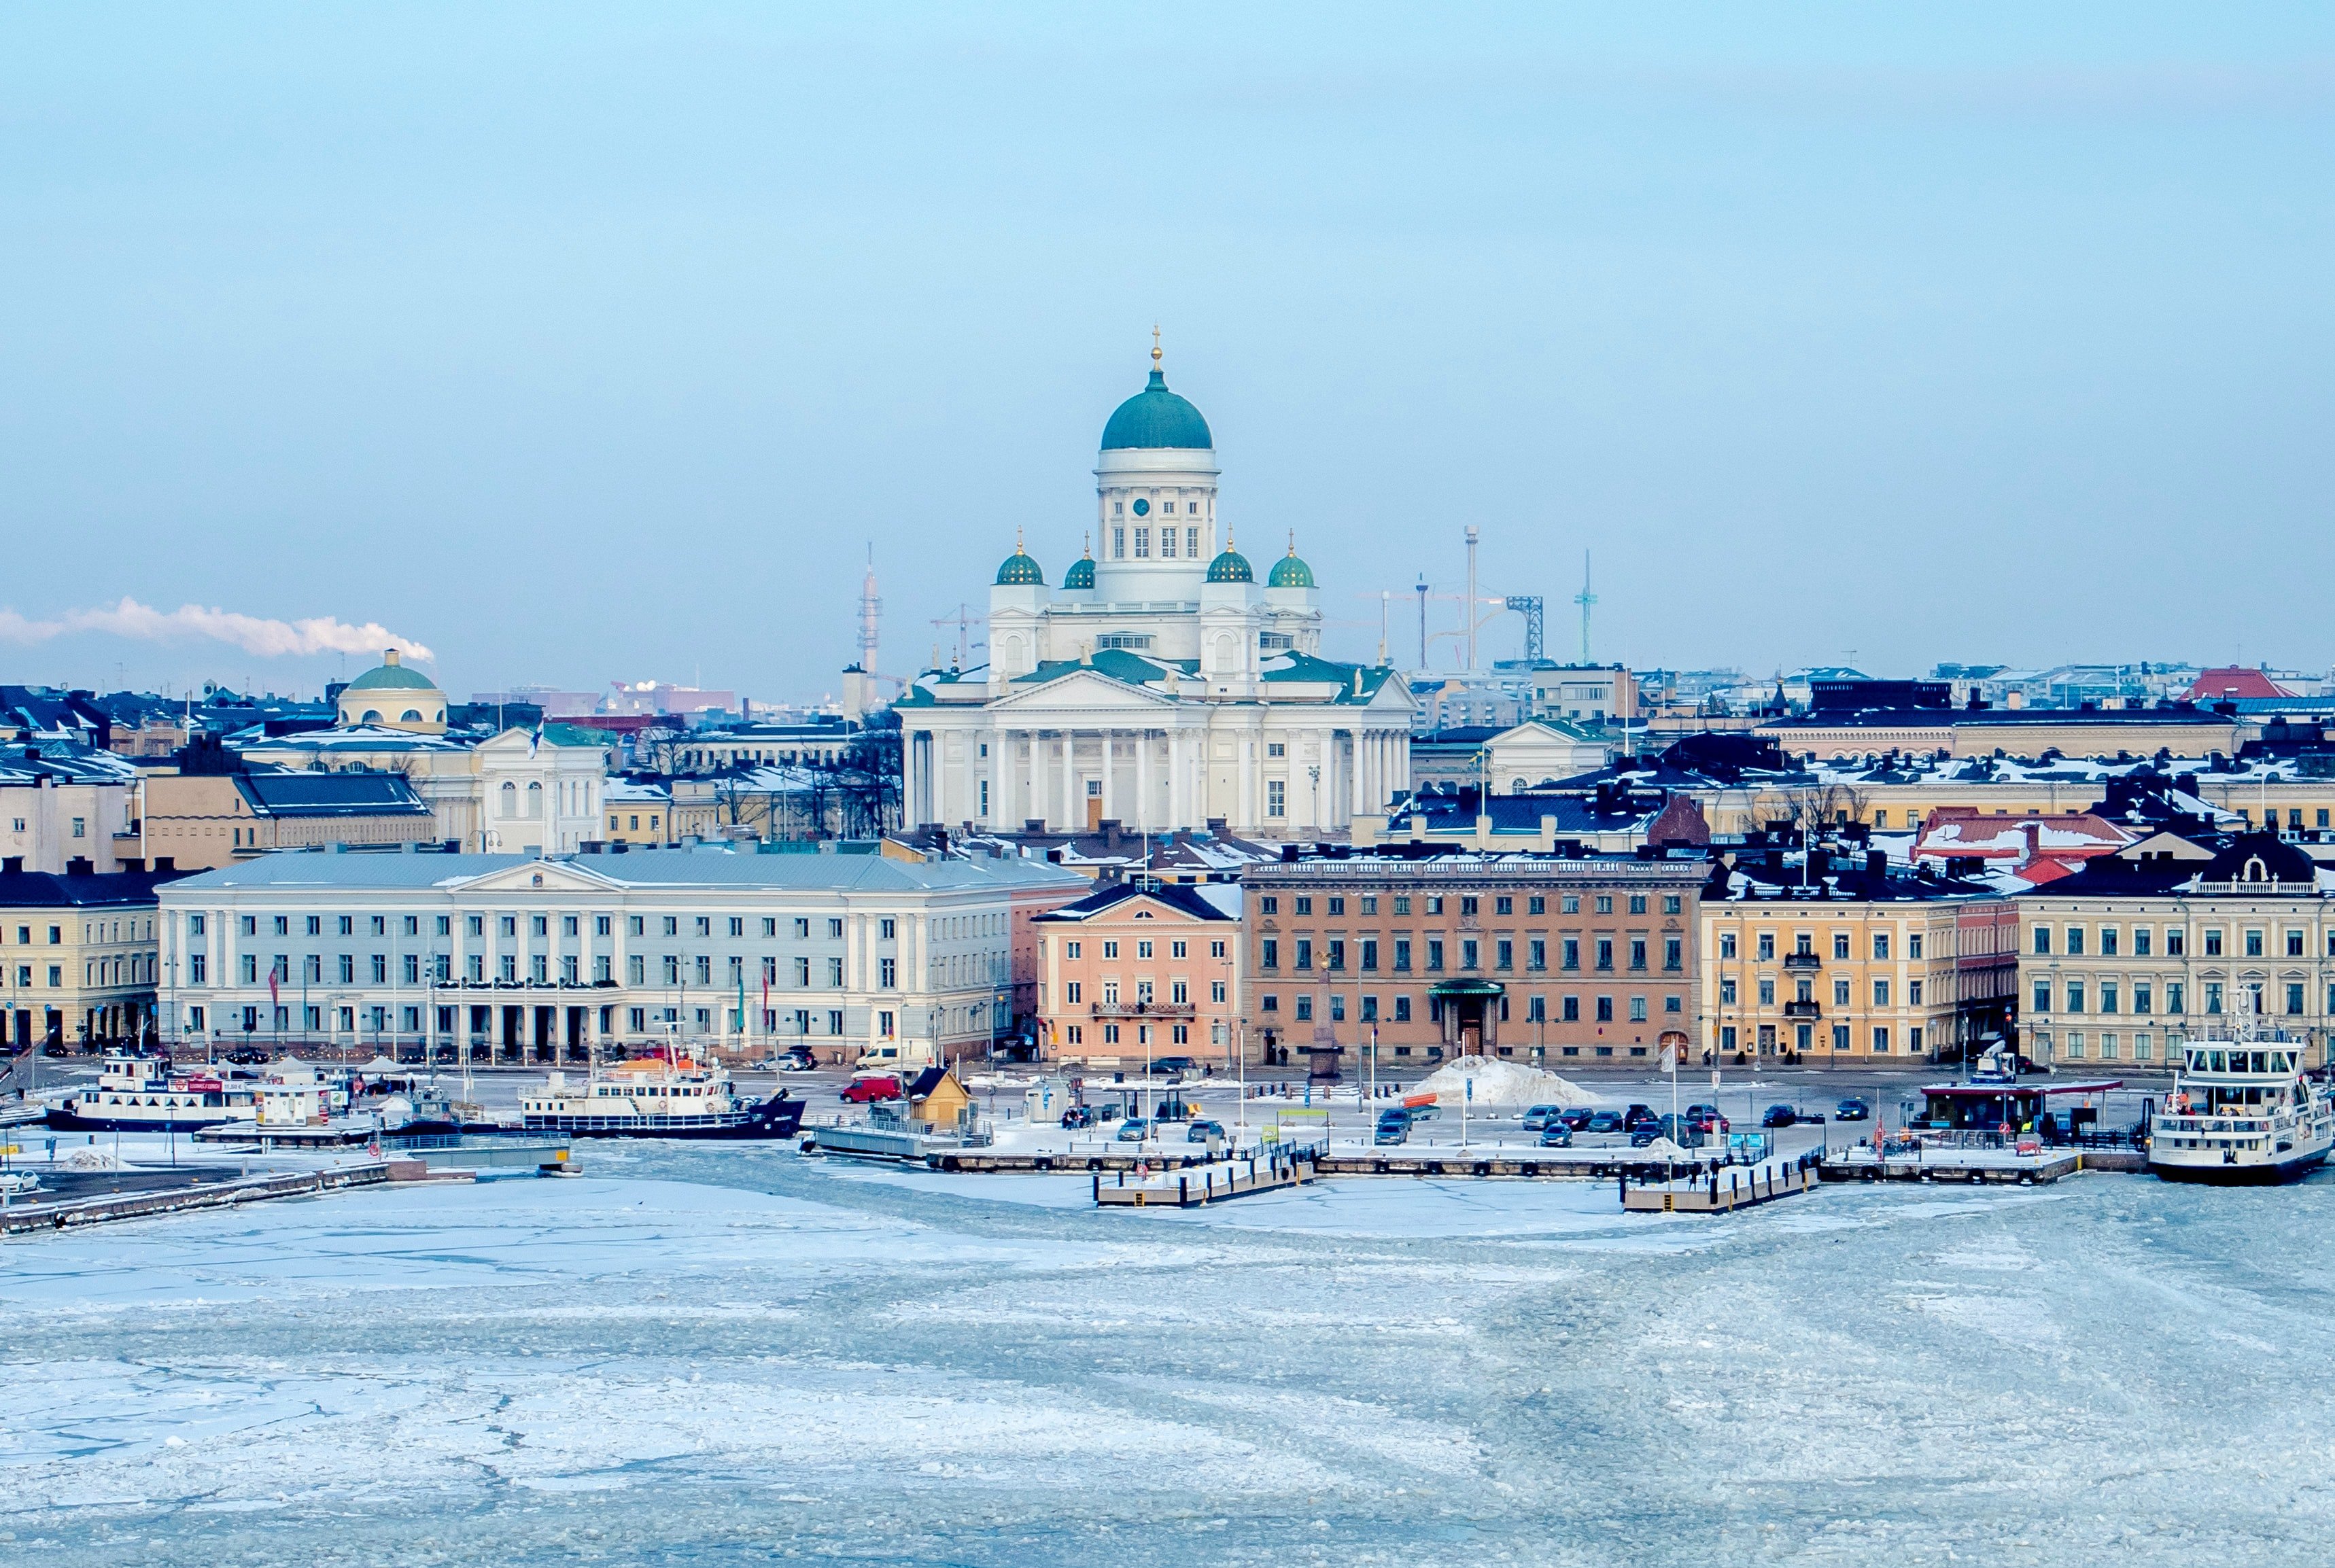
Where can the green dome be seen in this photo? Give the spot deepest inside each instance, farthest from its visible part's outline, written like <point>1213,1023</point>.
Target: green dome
<point>1020,571</point>
<point>1079,575</point>
<point>1289,572</point>
<point>391,674</point>
<point>1232,566</point>
<point>1156,417</point>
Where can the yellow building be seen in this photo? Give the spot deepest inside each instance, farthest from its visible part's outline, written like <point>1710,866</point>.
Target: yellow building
<point>80,956</point>
<point>1851,962</point>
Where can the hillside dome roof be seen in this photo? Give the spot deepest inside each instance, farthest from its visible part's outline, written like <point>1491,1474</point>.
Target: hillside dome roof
<point>389,674</point>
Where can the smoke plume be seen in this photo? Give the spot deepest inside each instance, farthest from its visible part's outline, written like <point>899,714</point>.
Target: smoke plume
<point>264,638</point>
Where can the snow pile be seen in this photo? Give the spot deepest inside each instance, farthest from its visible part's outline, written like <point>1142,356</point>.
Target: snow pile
<point>1664,1149</point>
<point>1500,1082</point>
<point>89,1157</point>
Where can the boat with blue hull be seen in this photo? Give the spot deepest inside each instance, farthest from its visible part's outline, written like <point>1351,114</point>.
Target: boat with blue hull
<point>138,1093</point>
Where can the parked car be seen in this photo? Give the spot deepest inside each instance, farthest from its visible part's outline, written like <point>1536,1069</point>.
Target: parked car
<point>1852,1110</point>
<point>1175,1067</point>
<point>797,1058</point>
<point>1639,1116</point>
<point>868,1090</point>
<point>1577,1118</point>
<point>1605,1121</point>
<point>1707,1118</point>
<point>245,1056</point>
<point>1778,1116</point>
<point>1540,1115</point>
<point>1394,1126</point>
<point>1681,1130</point>
<point>1201,1131</point>
<point>1078,1116</point>
<point>1555,1135</point>
<point>1134,1129</point>
<point>1645,1136</point>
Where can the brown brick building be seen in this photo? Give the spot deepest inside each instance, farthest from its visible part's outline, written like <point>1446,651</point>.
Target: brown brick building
<point>1577,960</point>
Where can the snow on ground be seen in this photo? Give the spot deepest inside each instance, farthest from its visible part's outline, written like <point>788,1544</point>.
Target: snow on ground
<point>705,1355</point>
<point>1500,1082</point>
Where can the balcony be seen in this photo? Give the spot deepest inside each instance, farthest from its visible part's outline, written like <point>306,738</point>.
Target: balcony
<point>1802,960</point>
<point>1802,1009</point>
<point>1144,1009</point>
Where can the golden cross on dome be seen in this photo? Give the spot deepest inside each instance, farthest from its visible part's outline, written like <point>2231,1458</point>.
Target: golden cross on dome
<point>1155,346</point>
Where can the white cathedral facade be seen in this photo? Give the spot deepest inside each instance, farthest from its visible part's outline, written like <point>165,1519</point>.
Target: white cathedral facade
<point>1160,686</point>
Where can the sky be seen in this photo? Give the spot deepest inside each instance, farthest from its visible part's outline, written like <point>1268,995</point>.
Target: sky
<point>575,343</point>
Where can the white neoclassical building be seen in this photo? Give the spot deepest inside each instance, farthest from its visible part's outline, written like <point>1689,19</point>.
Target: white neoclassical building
<point>1161,686</point>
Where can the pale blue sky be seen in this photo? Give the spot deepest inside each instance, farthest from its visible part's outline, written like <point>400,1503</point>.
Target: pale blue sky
<point>588,343</point>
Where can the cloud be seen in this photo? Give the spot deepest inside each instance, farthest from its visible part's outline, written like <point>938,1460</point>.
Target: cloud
<point>266,638</point>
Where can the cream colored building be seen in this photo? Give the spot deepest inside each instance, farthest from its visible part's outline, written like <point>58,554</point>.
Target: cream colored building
<point>2144,947</point>
<point>515,794</point>
<point>77,957</point>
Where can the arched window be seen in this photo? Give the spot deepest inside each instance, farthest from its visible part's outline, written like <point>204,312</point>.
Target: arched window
<point>2255,870</point>
<point>534,801</point>
<point>371,716</point>
<point>411,716</point>
<point>511,799</point>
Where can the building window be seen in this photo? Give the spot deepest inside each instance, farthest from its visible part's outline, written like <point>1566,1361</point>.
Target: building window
<point>1605,952</point>
<point>2212,942</point>
<point>1881,945</point>
<point>1569,1008</point>
<point>1637,1010</point>
<point>1881,1040</point>
<point>2074,989</point>
<point>1268,953</point>
<point>1537,954</point>
<point>1403,1010</point>
<point>1880,994</point>
<point>1638,953</point>
<point>1277,803</point>
<point>1604,1009</point>
<point>1435,954</point>
<point>1304,952</point>
<point>1766,946</point>
<point>2176,941</point>
<point>1402,955</point>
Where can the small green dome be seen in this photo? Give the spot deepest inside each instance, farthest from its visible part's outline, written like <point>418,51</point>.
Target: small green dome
<point>1289,572</point>
<point>1021,571</point>
<point>1156,417</point>
<point>389,673</point>
<point>1232,566</point>
<point>1079,575</point>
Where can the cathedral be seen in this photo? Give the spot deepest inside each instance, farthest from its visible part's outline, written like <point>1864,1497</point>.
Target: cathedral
<point>1161,686</point>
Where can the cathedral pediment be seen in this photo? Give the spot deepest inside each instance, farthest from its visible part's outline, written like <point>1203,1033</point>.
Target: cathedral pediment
<point>1080,689</point>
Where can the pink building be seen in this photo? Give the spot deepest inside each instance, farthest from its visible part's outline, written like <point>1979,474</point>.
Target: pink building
<point>1140,970</point>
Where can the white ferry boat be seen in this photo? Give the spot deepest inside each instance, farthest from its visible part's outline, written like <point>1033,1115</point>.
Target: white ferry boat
<point>142,1094</point>
<point>2242,1112</point>
<point>657,1098</point>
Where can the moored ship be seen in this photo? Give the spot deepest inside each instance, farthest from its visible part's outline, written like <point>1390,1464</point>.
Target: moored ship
<point>2244,1111</point>
<point>657,1098</point>
<point>138,1093</point>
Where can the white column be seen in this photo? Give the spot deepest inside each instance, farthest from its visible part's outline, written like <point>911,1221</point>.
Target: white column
<point>1143,807</point>
<point>1072,817</point>
<point>1356,789</point>
<point>1249,792</point>
<point>997,778</point>
<point>1107,798</point>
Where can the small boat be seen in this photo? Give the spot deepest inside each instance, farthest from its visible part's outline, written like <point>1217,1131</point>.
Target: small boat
<point>138,1093</point>
<point>2242,1112</point>
<point>658,1096</point>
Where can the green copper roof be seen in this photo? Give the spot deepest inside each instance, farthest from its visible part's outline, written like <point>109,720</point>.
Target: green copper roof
<point>1289,572</point>
<point>1156,417</point>
<point>1020,571</point>
<point>1080,575</point>
<point>384,677</point>
<point>1232,566</point>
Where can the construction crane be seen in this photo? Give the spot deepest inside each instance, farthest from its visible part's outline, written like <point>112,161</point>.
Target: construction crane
<point>963,619</point>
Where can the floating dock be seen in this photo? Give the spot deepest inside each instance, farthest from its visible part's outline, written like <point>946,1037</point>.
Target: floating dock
<point>1977,1165</point>
<point>1212,1183</point>
<point>1723,1191</point>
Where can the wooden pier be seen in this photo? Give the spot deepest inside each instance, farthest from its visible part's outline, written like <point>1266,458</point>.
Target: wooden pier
<point>1212,1183</point>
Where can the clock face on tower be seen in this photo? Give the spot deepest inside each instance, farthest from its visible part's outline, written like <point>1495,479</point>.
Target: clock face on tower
<point>1142,508</point>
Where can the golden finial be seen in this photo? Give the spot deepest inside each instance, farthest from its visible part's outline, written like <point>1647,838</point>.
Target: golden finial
<point>1086,546</point>
<point>1293,541</point>
<point>1017,541</point>
<point>1155,346</point>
